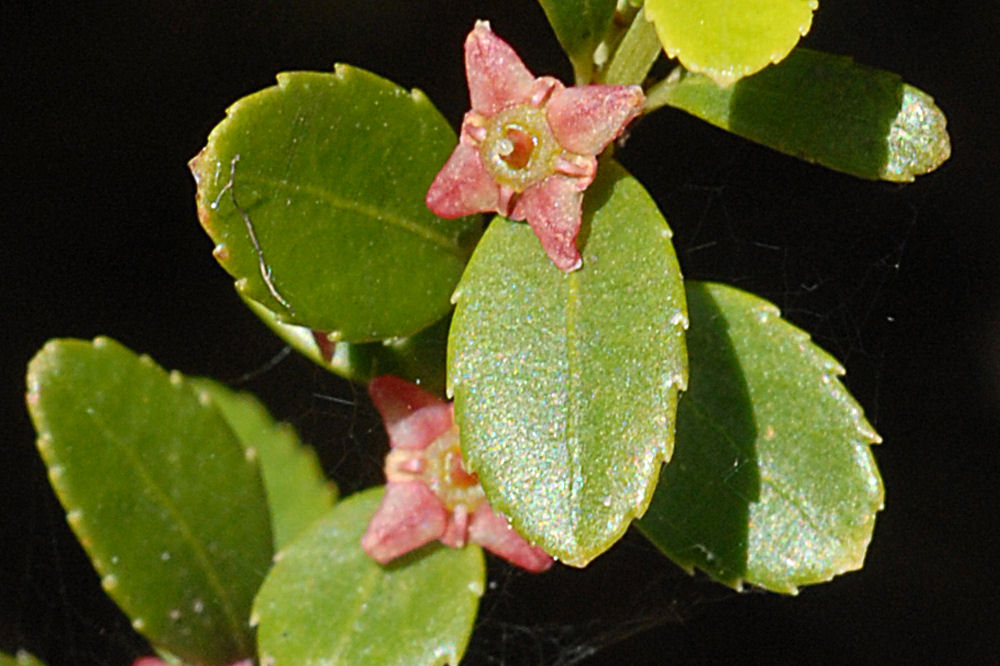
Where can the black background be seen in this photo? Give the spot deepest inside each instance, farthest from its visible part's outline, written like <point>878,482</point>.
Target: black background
<point>104,104</point>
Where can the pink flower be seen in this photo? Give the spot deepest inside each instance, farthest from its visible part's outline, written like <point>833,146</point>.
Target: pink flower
<point>528,147</point>
<point>429,494</point>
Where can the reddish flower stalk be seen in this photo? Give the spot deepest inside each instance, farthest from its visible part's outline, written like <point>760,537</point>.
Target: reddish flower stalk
<point>429,495</point>
<point>528,148</point>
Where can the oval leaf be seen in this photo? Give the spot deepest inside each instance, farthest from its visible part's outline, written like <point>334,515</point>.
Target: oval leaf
<point>419,358</point>
<point>327,602</point>
<point>824,108</point>
<point>580,26</point>
<point>729,39</point>
<point>331,175</point>
<point>159,491</point>
<point>772,481</point>
<point>566,384</point>
<point>298,493</point>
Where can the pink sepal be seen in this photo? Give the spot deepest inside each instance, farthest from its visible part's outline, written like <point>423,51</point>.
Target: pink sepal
<point>554,209</point>
<point>497,77</point>
<point>463,186</point>
<point>409,516</point>
<point>413,417</point>
<point>585,119</point>
<point>492,531</point>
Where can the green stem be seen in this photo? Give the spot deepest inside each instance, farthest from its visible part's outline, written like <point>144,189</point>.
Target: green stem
<point>635,55</point>
<point>660,93</point>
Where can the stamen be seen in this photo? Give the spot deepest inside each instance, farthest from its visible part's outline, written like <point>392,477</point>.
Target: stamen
<point>522,147</point>
<point>519,149</point>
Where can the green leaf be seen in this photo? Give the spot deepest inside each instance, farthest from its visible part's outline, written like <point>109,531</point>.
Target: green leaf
<point>729,39</point>
<point>298,494</point>
<point>332,174</point>
<point>772,481</point>
<point>824,108</point>
<point>580,26</point>
<point>22,658</point>
<point>159,492</point>
<point>566,384</point>
<point>419,358</point>
<point>326,602</point>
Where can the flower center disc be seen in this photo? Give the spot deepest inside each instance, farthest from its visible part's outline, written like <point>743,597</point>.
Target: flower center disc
<point>519,149</point>
<point>448,478</point>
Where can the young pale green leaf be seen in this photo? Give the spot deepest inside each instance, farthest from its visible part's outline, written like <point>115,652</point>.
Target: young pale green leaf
<point>22,658</point>
<point>580,27</point>
<point>824,108</point>
<point>729,39</point>
<point>327,602</point>
<point>566,384</point>
<point>331,175</point>
<point>772,481</point>
<point>419,358</point>
<point>159,491</point>
<point>298,494</point>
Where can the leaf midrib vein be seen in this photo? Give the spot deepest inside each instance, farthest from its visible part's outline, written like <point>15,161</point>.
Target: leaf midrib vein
<point>347,634</point>
<point>373,212</point>
<point>182,525</point>
<point>572,364</point>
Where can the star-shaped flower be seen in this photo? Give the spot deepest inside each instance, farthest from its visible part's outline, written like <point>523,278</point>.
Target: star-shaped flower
<point>429,494</point>
<point>528,147</point>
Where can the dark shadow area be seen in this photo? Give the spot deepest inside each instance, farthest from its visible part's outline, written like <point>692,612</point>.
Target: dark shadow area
<point>700,513</point>
<point>820,105</point>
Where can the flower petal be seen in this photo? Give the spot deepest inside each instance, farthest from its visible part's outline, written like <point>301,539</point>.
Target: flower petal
<point>492,531</point>
<point>463,186</point>
<point>413,417</point>
<point>585,119</point>
<point>409,516</point>
<point>553,208</point>
<point>496,75</point>
<point>456,534</point>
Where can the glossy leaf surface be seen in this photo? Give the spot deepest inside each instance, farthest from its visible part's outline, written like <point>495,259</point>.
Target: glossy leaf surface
<point>828,109</point>
<point>327,602</point>
<point>580,26</point>
<point>729,39</point>
<point>332,173</point>
<point>419,358</point>
<point>297,491</point>
<point>772,481</point>
<point>566,384</point>
<point>159,492</point>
